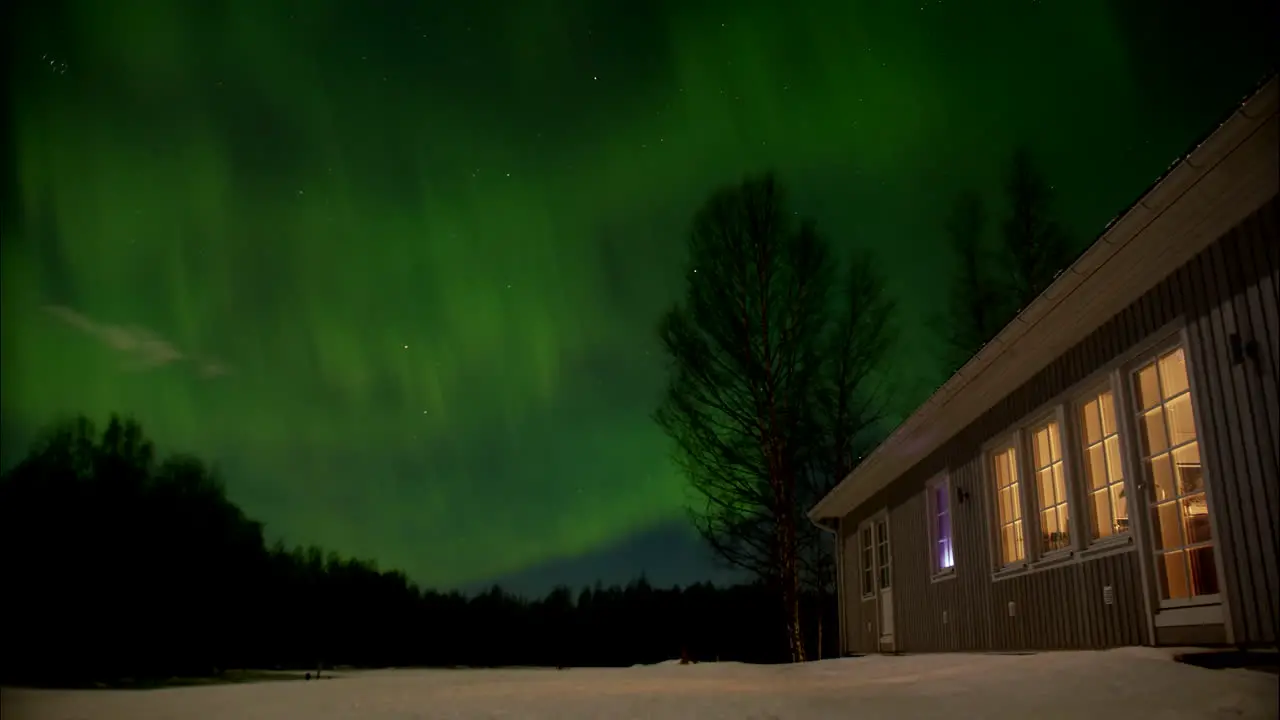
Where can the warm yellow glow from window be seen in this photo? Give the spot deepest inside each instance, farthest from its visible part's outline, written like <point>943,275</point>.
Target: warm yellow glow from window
<point>1051,487</point>
<point>1103,471</point>
<point>1182,536</point>
<point>1008,504</point>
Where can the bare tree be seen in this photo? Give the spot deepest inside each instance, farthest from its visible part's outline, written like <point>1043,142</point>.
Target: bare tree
<point>994,281</point>
<point>845,411</point>
<point>750,349</point>
<point>973,310</point>
<point>1034,247</point>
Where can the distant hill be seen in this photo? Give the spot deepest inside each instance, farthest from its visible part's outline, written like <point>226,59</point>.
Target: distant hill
<point>669,554</point>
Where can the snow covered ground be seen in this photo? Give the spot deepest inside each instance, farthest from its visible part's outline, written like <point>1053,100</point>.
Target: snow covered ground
<point>1130,682</point>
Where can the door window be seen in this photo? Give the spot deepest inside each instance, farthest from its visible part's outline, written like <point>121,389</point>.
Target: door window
<point>882,554</point>
<point>1170,450</point>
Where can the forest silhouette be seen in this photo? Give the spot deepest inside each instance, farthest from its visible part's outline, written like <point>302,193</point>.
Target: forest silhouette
<point>121,566</point>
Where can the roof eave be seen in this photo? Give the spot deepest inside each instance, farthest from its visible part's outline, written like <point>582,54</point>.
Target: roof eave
<point>1172,187</point>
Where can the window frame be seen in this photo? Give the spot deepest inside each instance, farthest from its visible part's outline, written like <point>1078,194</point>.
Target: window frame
<point>883,564</point>
<point>1160,344</point>
<point>1004,441</point>
<point>1113,383</point>
<point>867,569</point>
<point>1116,372</point>
<point>941,480</point>
<point>1056,413</point>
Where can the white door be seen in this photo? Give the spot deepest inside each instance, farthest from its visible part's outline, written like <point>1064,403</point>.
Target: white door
<point>884,581</point>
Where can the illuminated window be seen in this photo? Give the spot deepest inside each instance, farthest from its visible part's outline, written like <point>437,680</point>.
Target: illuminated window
<point>1051,487</point>
<point>868,562</point>
<point>939,496</point>
<point>1008,498</point>
<point>1103,471</point>
<point>1170,454</point>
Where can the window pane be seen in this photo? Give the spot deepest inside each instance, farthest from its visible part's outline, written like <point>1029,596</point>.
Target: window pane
<point>1186,463</point>
<point>1115,471</point>
<point>1008,547</point>
<point>1173,374</point>
<point>1059,484</point>
<point>1146,387</point>
<point>1064,527</point>
<point>868,561</point>
<point>1182,424</point>
<point>1053,530</point>
<point>1090,426</point>
<point>1002,476</point>
<point>1020,540</point>
<point>1055,442</point>
<point>1095,466</point>
<point>1040,449</point>
<point>1120,507</point>
<point>1100,514</point>
<point>1009,458</point>
<point>1167,535</point>
<point>1107,406</point>
<point>1151,431</point>
<point>1204,572</point>
<point>1049,522</point>
<point>1195,512</point>
<point>1162,477</point>
<point>1045,483</point>
<point>1172,569</point>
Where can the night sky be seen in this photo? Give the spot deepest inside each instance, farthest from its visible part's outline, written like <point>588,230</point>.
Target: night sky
<point>396,266</point>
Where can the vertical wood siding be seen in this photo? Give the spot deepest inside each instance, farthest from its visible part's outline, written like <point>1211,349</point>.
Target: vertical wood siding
<point>1234,293</point>
<point>1226,296</point>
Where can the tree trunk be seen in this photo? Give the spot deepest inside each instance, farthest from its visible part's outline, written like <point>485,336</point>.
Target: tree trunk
<point>791,589</point>
<point>795,631</point>
<point>821,611</point>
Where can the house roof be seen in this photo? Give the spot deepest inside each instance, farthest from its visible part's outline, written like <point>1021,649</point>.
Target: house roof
<point>1227,176</point>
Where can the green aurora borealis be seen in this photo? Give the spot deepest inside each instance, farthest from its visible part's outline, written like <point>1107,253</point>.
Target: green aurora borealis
<point>396,266</point>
